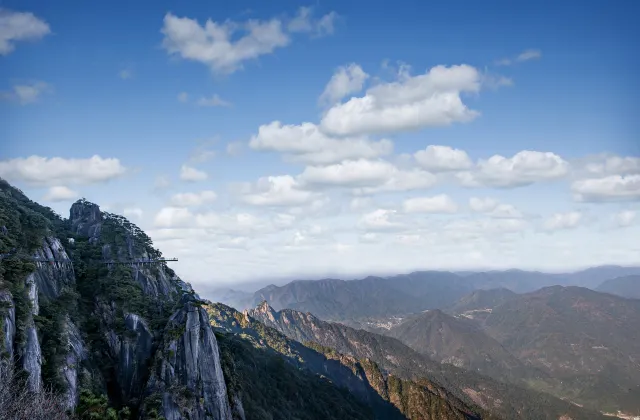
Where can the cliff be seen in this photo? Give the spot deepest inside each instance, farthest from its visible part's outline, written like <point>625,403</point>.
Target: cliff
<point>95,331</point>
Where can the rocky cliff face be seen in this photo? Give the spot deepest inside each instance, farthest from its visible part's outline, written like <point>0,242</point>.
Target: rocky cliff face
<point>84,327</point>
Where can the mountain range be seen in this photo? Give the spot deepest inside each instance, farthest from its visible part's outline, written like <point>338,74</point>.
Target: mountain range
<point>95,325</point>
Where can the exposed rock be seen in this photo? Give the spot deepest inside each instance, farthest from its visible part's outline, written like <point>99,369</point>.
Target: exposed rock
<point>187,372</point>
<point>8,324</point>
<point>86,220</point>
<point>71,367</point>
<point>52,276</point>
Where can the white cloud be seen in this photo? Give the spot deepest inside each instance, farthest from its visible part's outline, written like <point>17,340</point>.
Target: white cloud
<point>475,228</point>
<point>360,203</point>
<point>506,211</point>
<point>402,180</point>
<point>526,55</point>
<point>215,101</point>
<point>303,22</point>
<point>191,174</point>
<point>345,81</point>
<point>430,99</point>
<point>277,191</point>
<point>563,221</point>
<point>610,188</point>
<point>223,47</point>
<point>306,143</point>
<point>529,55</point>
<point>443,158</point>
<point>182,223</point>
<point>26,93</point>
<point>60,193</point>
<point>19,26</point>
<point>482,204</point>
<point>493,208</point>
<point>350,173</point>
<point>524,168</point>
<point>379,220</point>
<point>441,203</point>
<point>173,217</point>
<point>37,170</point>
<point>625,218</point>
<point>606,164</point>
<point>193,199</point>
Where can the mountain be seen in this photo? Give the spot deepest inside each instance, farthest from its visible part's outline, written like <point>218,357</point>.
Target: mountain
<point>395,358</point>
<point>588,340</point>
<point>479,303</point>
<point>387,396</point>
<point>237,299</point>
<point>373,296</point>
<point>94,324</point>
<point>372,300</point>
<point>461,343</point>
<point>627,287</point>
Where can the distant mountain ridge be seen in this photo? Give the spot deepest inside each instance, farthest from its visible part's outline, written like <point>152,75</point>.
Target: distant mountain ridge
<point>340,300</point>
<point>394,357</point>
<point>626,287</point>
<point>587,339</point>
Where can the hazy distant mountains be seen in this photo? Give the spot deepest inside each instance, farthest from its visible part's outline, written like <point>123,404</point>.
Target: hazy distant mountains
<point>627,287</point>
<point>375,297</point>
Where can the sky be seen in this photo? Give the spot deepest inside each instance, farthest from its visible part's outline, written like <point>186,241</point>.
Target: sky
<point>262,141</point>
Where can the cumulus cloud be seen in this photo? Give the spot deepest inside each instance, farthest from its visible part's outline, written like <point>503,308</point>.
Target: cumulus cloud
<point>345,81</point>
<point>563,221</point>
<point>482,204</point>
<point>277,191</point>
<point>304,22</point>
<point>524,168</point>
<point>214,101</point>
<point>60,193</point>
<point>379,220</point>
<point>181,218</point>
<point>402,180</point>
<point>351,173</point>
<point>443,158</point>
<point>476,228</point>
<point>493,208</point>
<point>430,99</point>
<point>19,26</point>
<point>191,174</point>
<point>37,170</point>
<point>610,188</point>
<point>183,97</point>
<point>306,143</point>
<point>441,203</point>
<point>193,199</point>
<point>625,218</point>
<point>26,93</point>
<point>526,55</point>
<point>223,47</point>
<point>607,164</point>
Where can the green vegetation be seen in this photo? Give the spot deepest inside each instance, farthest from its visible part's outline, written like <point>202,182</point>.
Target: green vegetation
<point>272,388</point>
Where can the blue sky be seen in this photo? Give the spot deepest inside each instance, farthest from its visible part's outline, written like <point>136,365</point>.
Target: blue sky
<point>163,103</point>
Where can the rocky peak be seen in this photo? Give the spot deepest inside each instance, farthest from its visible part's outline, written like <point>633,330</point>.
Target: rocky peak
<point>86,219</point>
